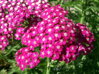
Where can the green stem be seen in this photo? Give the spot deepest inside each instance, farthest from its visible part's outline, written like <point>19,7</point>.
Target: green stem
<point>82,19</point>
<point>48,67</point>
<point>82,16</point>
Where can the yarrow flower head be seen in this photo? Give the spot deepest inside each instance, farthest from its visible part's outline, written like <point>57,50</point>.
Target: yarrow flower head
<point>14,12</point>
<point>26,58</point>
<point>58,37</point>
<point>39,25</point>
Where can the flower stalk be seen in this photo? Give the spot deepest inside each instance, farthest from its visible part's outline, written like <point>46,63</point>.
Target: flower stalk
<point>48,66</point>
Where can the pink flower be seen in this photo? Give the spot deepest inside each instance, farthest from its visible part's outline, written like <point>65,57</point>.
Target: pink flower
<point>49,30</point>
<point>55,56</point>
<point>42,53</point>
<point>49,52</point>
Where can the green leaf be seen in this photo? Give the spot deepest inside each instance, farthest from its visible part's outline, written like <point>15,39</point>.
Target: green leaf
<point>3,71</point>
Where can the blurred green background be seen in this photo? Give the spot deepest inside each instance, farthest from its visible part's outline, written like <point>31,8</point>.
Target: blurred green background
<point>83,11</point>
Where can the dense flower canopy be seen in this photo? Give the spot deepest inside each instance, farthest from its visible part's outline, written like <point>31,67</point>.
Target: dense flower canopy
<point>47,28</point>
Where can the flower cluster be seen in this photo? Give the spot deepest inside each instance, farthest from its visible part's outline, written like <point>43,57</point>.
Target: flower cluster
<point>19,33</point>
<point>14,12</point>
<point>57,36</point>
<point>37,24</point>
<point>26,58</point>
<point>3,42</point>
<point>85,38</point>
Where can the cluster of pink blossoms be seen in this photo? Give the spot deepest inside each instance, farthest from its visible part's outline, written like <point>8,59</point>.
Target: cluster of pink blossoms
<point>48,28</point>
<point>3,42</point>
<point>14,12</point>
<point>27,58</point>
